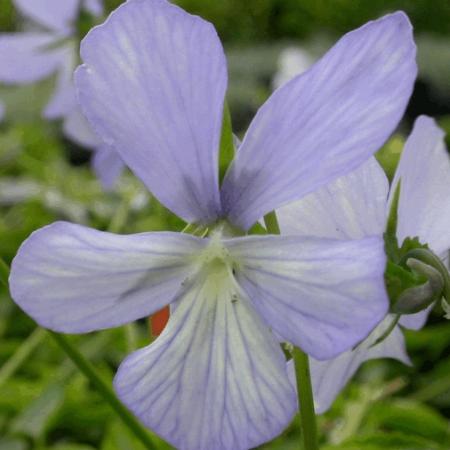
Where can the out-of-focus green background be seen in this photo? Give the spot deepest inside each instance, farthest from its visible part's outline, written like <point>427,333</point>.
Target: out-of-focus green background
<point>44,402</point>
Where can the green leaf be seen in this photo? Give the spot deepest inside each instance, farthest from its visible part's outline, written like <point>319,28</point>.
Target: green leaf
<point>118,437</point>
<point>34,420</point>
<point>413,419</point>
<point>13,444</point>
<point>388,441</point>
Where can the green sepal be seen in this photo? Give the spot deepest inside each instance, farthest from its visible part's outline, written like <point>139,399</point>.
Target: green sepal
<point>419,297</point>
<point>398,279</point>
<point>226,149</point>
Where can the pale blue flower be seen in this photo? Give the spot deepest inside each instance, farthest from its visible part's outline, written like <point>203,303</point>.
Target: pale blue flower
<point>356,206</point>
<point>153,85</point>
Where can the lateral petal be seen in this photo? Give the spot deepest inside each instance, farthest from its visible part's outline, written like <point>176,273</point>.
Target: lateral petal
<point>322,295</point>
<point>75,279</point>
<point>153,87</point>
<point>331,376</point>
<point>325,122</point>
<point>424,171</point>
<point>215,378</point>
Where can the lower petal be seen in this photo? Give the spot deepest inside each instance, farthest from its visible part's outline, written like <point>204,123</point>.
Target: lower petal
<point>215,379</point>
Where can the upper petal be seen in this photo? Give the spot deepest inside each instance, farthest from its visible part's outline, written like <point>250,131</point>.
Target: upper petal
<point>57,15</point>
<point>351,207</point>
<point>325,122</point>
<point>322,295</point>
<point>330,377</point>
<point>153,86</point>
<point>215,379</point>
<point>74,279</point>
<point>424,171</point>
<point>26,58</point>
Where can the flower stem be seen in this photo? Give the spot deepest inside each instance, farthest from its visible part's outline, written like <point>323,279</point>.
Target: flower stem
<point>103,388</point>
<point>306,401</point>
<point>304,387</point>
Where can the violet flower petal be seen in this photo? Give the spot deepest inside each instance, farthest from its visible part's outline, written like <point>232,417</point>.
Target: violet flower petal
<point>325,122</point>
<point>215,378</point>
<point>56,15</point>
<point>107,165</point>
<point>351,207</point>
<point>63,100</point>
<point>153,87</point>
<point>424,203</point>
<point>95,7</point>
<point>25,57</point>
<point>323,295</point>
<point>331,376</point>
<point>415,321</point>
<point>76,128</point>
<point>74,279</point>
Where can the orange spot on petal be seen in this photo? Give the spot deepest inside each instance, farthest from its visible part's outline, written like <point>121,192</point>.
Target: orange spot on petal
<point>159,321</point>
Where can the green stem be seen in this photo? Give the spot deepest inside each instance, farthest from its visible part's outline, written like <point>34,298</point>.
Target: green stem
<point>306,400</point>
<point>103,388</point>
<point>21,355</point>
<point>303,376</point>
<point>119,218</point>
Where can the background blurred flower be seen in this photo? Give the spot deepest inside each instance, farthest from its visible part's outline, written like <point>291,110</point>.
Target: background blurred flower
<point>52,47</point>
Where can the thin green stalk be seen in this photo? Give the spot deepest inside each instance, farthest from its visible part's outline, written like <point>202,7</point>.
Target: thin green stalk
<point>306,400</point>
<point>120,216</point>
<point>4,273</point>
<point>303,376</point>
<point>104,389</point>
<point>21,355</point>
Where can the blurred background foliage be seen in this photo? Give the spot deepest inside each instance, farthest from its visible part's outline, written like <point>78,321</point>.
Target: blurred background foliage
<point>44,402</point>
